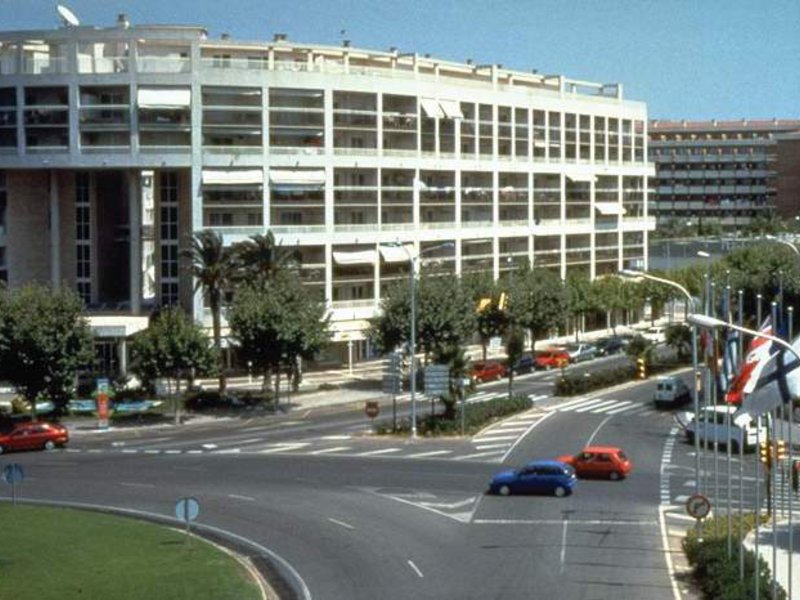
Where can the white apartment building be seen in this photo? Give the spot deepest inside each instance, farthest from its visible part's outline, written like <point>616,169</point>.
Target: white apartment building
<point>116,144</point>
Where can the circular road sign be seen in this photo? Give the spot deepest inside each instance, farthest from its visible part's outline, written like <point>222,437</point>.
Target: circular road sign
<point>187,509</point>
<point>372,409</point>
<point>698,506</point>
<point>13,474</point>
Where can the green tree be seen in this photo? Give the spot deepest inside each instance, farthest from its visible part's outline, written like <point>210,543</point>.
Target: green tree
<point>679,337</point>
<point>515,347</point>
<point>276,324</point>
<point>174,348</point>
<point>44,341</point>
<point>260,258</point>
<point>213,268</point>
<point>537,302</point>
<point>617,296</point>
<point>491,320</point>
<point>581,299</point>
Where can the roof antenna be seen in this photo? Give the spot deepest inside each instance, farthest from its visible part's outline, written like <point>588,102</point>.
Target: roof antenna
<point>67,16</point>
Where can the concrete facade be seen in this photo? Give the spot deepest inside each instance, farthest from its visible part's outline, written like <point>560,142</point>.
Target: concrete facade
<point>153,133</point>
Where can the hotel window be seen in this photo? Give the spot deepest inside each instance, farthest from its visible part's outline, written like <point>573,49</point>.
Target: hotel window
<point>585,138</point>
<point>46,117</point>
<point>570,137</point>
<point>232,118</point>
<point>600,139</point>
<point>168,198</point>
<point>297,119</point>
<point>613,140</point>
<point>539,135</point>
<point>554,124</point>
<point>104,117</point>
<point>83,236</point>
<point>8,118</point>
<point>521,133</point>
<point>355,120</point>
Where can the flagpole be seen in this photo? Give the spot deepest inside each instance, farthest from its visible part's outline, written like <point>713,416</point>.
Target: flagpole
<point>757,506</point>
<point>728,418</point>
<point>741,451</point>
<point>773,466</point>
<point>790,310</point>
<point>706,390</point>
<point>712,388</point>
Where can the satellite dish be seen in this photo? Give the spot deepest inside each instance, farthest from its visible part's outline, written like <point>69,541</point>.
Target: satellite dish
<point>67,15</point>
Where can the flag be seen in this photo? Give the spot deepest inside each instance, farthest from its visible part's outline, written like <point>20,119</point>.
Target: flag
<point>730,358</point>
<point>776,382</point>
<point>758,354</point>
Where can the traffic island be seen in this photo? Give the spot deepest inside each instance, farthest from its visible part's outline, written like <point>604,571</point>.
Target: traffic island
<point>51,552</point>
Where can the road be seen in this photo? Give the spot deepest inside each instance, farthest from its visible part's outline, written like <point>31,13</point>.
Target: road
<point>360,517</point>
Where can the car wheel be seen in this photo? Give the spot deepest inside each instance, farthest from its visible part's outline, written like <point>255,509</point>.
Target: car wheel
<point>560,491</point>
<point>504,490</point>
<point>613,476</point>
<point>49,445</point>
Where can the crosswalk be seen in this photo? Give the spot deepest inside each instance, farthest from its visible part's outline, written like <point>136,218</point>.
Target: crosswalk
<point>607,406</point>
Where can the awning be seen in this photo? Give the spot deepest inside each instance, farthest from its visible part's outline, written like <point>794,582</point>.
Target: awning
<point>113,326</point>
<point>315,177</point>
<point>155,98</point>
<point>364,257</point>
<point>610,208</point>
<point>451,108</point>
<point>431,108</point>
<point>396,254</point>
<point>233,177</point>
<point>581,177</point>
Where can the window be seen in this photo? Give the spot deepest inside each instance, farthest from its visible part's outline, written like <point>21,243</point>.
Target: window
<point>169,237</point>
<point>83,236</point>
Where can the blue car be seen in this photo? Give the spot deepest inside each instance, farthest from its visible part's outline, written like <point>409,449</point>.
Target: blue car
<point>537,477</point>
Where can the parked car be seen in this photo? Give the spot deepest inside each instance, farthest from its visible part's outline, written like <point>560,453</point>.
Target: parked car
<point>611,345</point>
<point>580,352</point>
<point>536,477</point>
<point>599,461</point>
<point>525,364</point>
<point>713,427</point>
<point>655,333</point>
<point>487,371</point>
<point>671,391</point>
<point>553,358</point>
<point>33,435</point>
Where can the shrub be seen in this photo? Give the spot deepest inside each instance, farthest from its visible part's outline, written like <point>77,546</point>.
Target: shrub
<point>716,573</point>
<point>477,416</point>
<point>210,400</point>
<point>571,384</point>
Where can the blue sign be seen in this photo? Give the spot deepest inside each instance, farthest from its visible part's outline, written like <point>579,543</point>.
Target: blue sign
<point>13,474</point>
<point>187,509</point>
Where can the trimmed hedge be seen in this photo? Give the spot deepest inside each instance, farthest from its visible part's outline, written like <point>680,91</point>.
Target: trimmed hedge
<point>211,400</point>
<point>571,384</point>
<point>478,415</point>
<point>716,574</point>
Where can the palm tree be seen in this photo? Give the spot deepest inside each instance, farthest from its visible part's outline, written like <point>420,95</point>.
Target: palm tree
<point>260,258</point>
<point>213,268</point>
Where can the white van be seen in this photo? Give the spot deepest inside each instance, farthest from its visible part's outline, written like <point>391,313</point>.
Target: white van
<point>714,428</point>
<point>671,391</point>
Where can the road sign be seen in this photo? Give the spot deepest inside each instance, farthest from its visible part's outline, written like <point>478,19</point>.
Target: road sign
<point>495,343</point>
<point>102,410</point>
<point>698,506</point>
<point>187,509</point>
<point>13,473</point>
<point>437,380</point>
<point>372,409</point>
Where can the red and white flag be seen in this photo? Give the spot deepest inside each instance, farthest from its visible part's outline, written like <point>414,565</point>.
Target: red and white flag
<point>759,353</point>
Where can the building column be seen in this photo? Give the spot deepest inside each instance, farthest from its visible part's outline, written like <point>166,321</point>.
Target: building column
<point>122,350</point>
<point>136,268</point>
<point>55,232</point>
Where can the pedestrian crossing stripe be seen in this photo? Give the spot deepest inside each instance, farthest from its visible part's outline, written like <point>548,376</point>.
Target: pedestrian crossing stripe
<point>605,406</point>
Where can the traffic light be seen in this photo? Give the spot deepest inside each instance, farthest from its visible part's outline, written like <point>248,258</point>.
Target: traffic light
<point>641,368</point>
<point>781,450</point>
<point>765,454</point>
<point>503,298</point>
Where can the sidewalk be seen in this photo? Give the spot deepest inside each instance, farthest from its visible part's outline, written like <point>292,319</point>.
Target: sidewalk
<point>781,567</point>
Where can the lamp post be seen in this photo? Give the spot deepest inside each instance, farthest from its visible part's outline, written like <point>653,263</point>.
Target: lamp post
<point>690,302</point>
<point>706,321</point>
<point>412,260</point>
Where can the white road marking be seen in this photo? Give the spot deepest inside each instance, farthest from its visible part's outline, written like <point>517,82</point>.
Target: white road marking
<point>209,446</point>
<point>336,437</point>
<point>416,568</point>
<point>563,546</point>
<point>229,451</point>
<point>130,451</point>
<point>194,452</point>
<point>285,448</point>
<point>172,451</point>
<point>250,441</point>
<point>329,450</point>
<point>571,403</point>
<point>520,438</point>
<point>431,453</point>
<point>149,451</point>
<point>621,407</point>
<point>640,522</point>
<point>513,428</point>
<point>597,430</point>
<point>489,446</point>
<point>585,406</point>
<point>341,523</point>
<point>494,438</point>
<point>603,404</point>
<point>477,455</point>
<point>238,497</point>
<point>376,452</point>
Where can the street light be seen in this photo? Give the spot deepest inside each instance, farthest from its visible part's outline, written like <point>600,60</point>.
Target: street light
<point>695,397</point>
<point>412,259</point>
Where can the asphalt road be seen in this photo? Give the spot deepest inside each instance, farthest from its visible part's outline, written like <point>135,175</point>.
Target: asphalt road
<point>359,517</point>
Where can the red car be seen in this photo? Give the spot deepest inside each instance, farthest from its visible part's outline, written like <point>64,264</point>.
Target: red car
<point>554,358</point>
<point>487,371</point>
<point>30,436</point>
<point>599,461</point>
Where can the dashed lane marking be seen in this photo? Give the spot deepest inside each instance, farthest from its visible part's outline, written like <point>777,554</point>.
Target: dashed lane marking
<point>330,450</point>
<point>378,452</point>
<point>431,453</point>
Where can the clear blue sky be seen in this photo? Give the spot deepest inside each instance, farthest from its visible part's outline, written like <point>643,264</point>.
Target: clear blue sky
<point>694,59</point>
